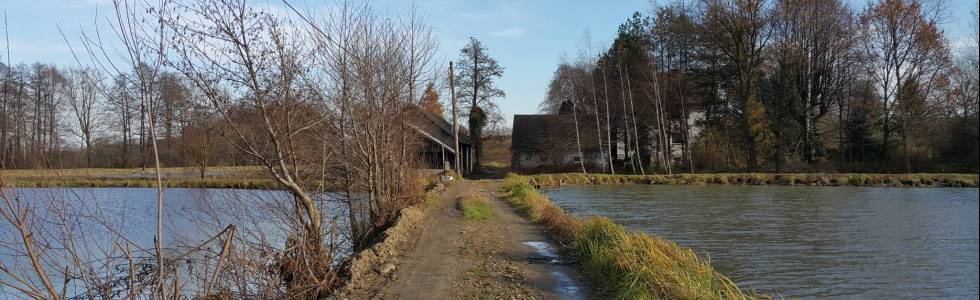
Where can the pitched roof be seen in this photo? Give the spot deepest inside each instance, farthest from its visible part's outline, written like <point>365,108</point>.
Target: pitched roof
<point>548,132</point>
<point>437,129</point>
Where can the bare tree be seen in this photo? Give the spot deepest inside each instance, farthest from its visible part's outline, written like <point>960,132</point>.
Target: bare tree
<point>903,44</point>
<point>586,60</point>
<point>740,29</point>
<point>82,95</point>
<point>564,95</point>
<point>813,49</point>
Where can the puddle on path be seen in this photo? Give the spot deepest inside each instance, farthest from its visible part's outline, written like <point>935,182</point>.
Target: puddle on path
<point>565,287</point>
<point>544,249</point>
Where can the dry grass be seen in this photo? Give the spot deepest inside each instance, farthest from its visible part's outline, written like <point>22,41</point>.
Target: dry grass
<point>816,179</point>
<point>634,265</point>
<point>539,209</point>
<point>222,183</point>
<point>624,264</point>
<point>133,172</point>
<point>241,177</point>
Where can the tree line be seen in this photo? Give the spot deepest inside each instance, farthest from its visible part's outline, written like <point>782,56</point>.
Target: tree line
<point>324,101</point>
<point>778,85</point>
<point>78,117</point>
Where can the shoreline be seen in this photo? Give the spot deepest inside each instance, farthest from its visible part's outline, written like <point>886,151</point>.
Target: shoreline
<point>623,263</point>
<point>783,179</point>
<point>212,183</point>
<point>250,177</point>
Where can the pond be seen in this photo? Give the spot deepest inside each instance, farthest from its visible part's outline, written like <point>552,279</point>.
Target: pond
<point>102,221</point>
<point>808,241</point>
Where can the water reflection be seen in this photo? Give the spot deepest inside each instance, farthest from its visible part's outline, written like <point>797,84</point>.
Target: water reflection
<point>94,225</point>
<point>809,241</point>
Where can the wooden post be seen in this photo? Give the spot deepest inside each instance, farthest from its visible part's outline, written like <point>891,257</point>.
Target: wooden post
<point>452,93</point>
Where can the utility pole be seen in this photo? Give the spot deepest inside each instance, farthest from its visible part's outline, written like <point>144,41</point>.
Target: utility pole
<point>452,93</point>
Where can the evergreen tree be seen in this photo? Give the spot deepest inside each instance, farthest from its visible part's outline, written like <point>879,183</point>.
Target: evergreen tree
<point>477,71</point>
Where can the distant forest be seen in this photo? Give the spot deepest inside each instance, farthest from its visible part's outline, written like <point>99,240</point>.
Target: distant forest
<point>780,86</point>
<point>53,117</point>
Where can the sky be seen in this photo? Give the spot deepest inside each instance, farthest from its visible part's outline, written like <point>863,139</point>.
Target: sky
<point>527,37</point>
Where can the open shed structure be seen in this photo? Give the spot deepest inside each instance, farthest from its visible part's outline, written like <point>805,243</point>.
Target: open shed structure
<point>439,151</point>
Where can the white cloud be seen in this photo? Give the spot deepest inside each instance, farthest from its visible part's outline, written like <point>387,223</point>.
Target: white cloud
<point>510,32</point>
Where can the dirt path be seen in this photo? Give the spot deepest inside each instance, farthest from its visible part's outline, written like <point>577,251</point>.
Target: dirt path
<point>505,257</point>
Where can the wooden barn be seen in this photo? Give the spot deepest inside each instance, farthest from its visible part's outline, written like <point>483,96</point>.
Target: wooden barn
<point>439,151</point>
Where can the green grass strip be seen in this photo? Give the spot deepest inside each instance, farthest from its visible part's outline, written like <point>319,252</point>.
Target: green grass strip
<point>476,208</point>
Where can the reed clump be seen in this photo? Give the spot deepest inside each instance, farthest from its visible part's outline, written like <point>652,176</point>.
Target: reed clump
<point>632,265</point>
<point>624,264</point>
<point>816,179</point>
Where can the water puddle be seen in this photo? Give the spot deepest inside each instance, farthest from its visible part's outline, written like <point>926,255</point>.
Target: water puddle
<point>565,287</point>
<point>544,249</point>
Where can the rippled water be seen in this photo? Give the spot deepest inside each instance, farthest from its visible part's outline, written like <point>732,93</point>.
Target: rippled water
<point>809,241</point>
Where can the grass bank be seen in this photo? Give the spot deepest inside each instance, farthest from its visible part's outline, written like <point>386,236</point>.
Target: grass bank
<point>816,179</point>
<point>217,183</point>
<point>131,172</point>
<point>622,263</point>
<point>238,177</point>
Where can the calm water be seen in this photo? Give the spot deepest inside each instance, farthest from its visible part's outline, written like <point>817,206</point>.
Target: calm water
<point>98,218</point>
<point>848,242</point>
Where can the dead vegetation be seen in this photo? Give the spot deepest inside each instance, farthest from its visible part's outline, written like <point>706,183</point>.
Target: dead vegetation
<point>318,101</point>
<point>817,179</point>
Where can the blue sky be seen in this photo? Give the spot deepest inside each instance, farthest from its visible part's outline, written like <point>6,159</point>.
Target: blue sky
<point>527,37</point>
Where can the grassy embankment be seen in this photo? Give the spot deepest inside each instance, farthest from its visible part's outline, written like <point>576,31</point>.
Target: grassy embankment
<point>242,177</point>
<point>623,264</point>
<point>816,179</point>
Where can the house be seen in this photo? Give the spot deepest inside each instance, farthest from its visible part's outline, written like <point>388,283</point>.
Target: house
<point>549,143</point>
<point>438,152</point>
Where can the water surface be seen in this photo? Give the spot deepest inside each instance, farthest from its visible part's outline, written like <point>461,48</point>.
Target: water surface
<point>99,222</point>
<point>809,241</point>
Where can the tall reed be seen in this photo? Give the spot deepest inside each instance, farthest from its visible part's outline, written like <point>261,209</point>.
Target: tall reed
<point>624,264</point>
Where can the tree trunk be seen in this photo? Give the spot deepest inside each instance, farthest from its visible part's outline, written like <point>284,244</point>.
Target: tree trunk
<point>598,128</point>
<point>636,135</point>
<point>612,150</point>
<point>626,121</point>
<point>578,140</point>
